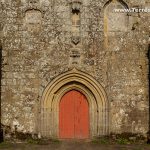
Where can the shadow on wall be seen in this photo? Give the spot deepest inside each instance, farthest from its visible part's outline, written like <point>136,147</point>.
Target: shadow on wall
<point>1,131</point>
<point>148,134</point>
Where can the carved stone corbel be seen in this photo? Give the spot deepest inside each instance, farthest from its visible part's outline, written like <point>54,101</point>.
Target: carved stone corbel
<point>76,40</point>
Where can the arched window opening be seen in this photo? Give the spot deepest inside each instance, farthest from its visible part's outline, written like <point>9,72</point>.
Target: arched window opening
<point>115,20</point>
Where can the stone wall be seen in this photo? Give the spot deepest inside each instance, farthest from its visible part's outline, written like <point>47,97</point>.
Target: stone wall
<point>38,44</point>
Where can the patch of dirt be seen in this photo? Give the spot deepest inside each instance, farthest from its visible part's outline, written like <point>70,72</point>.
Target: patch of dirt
<point>70,145</point>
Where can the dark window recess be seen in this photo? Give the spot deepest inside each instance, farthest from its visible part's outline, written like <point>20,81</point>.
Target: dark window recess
<point>75,11</point>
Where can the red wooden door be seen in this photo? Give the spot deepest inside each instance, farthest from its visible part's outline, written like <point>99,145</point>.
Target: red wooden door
<point>73,116</point>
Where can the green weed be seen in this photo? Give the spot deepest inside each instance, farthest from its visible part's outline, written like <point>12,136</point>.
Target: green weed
<point>122,141</point>
<point>5,145</point>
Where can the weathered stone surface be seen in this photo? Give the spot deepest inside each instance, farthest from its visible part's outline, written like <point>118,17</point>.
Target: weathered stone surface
<point>36,39</point>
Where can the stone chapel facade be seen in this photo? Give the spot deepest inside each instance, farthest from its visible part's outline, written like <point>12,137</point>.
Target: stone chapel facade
<point>52,47</point>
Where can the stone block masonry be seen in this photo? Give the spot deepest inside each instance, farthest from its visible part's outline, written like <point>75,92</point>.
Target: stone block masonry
<point>42,40</point>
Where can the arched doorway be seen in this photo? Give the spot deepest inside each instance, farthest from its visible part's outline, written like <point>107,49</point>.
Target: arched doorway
<point>85,84</point>
<point>73,116</point>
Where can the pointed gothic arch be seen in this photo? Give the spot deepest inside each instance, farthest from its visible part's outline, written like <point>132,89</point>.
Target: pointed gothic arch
<point>86,84</point>
<point>120,1</point>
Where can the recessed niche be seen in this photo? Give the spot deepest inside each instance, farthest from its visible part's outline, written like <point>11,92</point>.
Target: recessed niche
<point>115,20</point>
<point>33,19</point>
<point>75,20</point>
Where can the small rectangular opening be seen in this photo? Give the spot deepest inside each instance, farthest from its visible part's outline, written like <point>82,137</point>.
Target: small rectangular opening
<point>75,20</point>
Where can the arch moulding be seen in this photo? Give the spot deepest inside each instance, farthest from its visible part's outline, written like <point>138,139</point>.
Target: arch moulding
<point>84,83</point>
